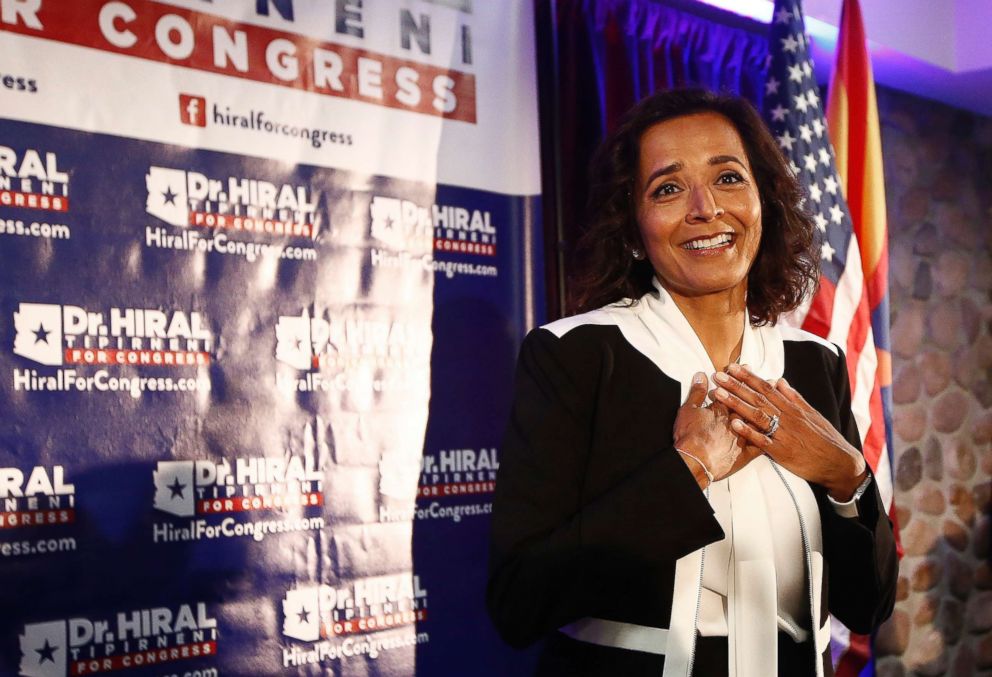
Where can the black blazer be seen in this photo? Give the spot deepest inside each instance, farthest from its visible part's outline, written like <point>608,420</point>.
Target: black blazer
<point>593,506</point>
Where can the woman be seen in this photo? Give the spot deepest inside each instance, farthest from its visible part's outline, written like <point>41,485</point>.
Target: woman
<point>643,524</point>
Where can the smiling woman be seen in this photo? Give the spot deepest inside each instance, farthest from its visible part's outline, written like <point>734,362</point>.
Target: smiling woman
<point>698,210</point>
<point>645,526</point>
<point>627,162</point>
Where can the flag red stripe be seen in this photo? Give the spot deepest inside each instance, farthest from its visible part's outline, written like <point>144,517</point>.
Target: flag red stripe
<point>854,73</point>
<point>857,336</point>
<point>817,320</point>
<point>874,442</point>
<point>855,658</point>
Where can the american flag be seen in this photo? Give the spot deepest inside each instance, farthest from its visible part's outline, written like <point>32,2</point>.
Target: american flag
<point>852,296</point>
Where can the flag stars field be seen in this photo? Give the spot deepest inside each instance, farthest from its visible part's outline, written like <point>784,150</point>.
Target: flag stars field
<point>826,252</point>
<point>836,214</point>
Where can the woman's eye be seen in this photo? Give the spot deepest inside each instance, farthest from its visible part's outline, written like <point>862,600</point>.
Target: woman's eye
<point>666,189</point>
<point>730,177</point>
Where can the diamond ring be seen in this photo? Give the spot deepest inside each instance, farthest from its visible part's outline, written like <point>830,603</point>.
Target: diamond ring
<point>772,426</point>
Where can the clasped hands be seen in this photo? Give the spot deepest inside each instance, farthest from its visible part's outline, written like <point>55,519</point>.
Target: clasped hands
<point>738,427</point>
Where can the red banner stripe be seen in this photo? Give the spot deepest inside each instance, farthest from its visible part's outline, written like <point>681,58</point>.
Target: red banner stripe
<point>455,489</point>
<point>372,623</point>
<point>210,506</point>
<point>136,358</point>
<point>35,518</point>
<point>134,29</point>
<point>140,659</point>
<point>52,203</point>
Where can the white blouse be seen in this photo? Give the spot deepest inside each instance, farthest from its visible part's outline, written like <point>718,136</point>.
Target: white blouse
<point>783,527</point>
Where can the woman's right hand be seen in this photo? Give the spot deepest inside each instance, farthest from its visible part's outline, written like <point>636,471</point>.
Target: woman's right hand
<point>705,433</point>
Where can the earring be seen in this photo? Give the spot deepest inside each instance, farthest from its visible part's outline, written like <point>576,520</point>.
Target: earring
<point>637,254</point>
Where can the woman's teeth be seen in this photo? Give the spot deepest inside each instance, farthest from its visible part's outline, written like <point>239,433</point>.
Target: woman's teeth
<point>710,243</point>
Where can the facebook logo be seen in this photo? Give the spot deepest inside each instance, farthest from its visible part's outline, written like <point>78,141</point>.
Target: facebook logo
<point>193,110</point>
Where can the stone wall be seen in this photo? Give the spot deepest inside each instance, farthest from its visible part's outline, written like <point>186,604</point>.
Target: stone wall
<point>938,177</point>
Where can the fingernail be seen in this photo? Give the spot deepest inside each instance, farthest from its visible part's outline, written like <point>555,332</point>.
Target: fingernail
<point>720,377</point>
<point>720,392</point>
<point>737,425</point>
<point>698,377</point>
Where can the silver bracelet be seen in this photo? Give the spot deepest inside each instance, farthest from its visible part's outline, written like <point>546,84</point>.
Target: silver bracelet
<point>859,492</point>
<point>706,471</point>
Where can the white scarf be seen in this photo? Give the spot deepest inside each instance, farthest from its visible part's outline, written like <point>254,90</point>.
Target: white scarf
<point>667,338</point>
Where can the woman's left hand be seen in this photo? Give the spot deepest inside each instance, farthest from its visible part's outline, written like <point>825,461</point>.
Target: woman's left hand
<point>804,442</point>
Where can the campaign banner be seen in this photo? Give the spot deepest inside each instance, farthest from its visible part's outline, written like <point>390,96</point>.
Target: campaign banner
<point>263,271</point>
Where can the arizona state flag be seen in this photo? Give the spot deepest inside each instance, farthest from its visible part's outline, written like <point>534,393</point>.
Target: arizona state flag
<point>852,118</point>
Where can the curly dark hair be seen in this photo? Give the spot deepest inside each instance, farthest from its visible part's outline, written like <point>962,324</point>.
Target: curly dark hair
<point>784,270</point>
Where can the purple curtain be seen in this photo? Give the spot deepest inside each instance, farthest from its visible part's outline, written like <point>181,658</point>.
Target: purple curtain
<point>611,53</point>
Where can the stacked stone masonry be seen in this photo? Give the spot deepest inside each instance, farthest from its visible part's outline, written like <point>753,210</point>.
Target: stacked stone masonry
<point>938,176</point>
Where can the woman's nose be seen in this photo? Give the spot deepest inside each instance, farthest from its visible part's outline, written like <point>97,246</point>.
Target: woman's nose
<point>702,207</point>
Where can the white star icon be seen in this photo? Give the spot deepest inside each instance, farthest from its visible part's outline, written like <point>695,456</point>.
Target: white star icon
<point>818,127</point>
<point>821,222</point>
<point>824,155</point>
<point>815,192</point>
<point>790,44</point>
<point>808,68</point>
<point>778,113</point>
<point>830,183</point>
<point>783,16</point>
<point>793,167</point>
<point>771,87</point>
<point>812,97</point>
<point>827,252</point>
<point>805,133</point>
<point>786,140</point>
<point>796,73</point>
<point>800,102</point>
<point>810,162</point>
<point>836,214</point>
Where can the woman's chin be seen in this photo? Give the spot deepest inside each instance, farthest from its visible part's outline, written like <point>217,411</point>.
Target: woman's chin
<point>724,286</point>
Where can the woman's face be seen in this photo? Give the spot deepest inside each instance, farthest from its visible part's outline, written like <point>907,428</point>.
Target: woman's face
<point>698,208</point>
